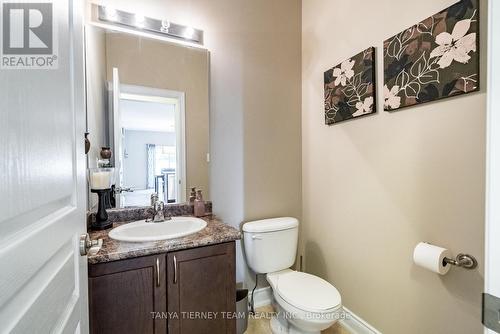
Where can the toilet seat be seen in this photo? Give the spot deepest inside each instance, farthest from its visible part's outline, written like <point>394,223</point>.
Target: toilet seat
<point>305,291</point>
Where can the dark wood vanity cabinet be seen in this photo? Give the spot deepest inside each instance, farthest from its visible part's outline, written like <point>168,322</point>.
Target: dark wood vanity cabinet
<point>124,296</point>
<point>202,290</point>
<point>183,292</point>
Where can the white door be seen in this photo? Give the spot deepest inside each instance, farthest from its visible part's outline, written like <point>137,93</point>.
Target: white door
<point>492,238</point>
<point>117,136</point>
<point>43,279</point>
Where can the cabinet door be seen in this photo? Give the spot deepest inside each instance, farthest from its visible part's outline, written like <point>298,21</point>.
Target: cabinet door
<point>202,290</point>
<point>128,296</point>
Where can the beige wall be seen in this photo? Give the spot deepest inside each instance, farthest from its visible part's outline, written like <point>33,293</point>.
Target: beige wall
<point>153,63</point>
<point>254,102</point>
<point>271,100</point>
<point>376,186</point>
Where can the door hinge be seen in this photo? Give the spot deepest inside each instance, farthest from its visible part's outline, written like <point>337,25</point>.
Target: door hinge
<point>491,312</point>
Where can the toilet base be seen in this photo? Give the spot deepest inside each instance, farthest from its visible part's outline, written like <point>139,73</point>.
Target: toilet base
<point>280,325</point>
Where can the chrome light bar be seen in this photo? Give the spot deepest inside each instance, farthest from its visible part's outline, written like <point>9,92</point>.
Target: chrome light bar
<point>139,22</point>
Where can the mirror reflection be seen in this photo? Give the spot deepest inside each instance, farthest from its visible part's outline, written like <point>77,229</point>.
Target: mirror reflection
<point>147,99</point>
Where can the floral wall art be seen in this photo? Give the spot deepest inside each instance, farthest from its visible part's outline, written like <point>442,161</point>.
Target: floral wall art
<point>434,59</point>
<point>350,88</point>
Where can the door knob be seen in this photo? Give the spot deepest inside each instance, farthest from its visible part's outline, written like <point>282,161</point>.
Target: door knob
<point>88,246</point>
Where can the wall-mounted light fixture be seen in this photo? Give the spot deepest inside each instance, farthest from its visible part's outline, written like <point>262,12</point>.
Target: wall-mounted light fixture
<point>139,22</point>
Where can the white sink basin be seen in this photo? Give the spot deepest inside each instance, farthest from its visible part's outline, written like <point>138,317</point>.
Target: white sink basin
<point>141,231</point>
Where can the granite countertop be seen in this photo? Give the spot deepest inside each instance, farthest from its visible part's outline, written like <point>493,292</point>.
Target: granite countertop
<point>216,232</point>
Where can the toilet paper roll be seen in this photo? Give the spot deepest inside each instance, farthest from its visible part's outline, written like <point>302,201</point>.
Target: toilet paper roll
<point>431,257</point>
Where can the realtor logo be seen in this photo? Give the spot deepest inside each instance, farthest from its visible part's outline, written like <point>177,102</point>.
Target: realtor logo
<point>28,38</point>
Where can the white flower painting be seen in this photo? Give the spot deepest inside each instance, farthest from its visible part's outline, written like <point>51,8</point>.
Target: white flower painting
<point>436,58</point>
<point>391,99</point>
<point>343,73</point>
<point>350,89</point>
<point>455,46</point>
<point>364,107</point>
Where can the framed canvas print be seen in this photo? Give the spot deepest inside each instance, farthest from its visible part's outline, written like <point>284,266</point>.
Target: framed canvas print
<point>436,58</point>
<point>349,88</point>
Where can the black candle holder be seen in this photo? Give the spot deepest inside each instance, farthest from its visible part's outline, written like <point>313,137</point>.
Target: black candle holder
<point>101,217</point>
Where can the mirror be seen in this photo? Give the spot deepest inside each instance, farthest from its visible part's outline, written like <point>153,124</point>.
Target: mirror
<point>147,99</point>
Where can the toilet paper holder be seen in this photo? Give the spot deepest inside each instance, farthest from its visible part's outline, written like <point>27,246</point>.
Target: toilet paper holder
<point>465,261</point>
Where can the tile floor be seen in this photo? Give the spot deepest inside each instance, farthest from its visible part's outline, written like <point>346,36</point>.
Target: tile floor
<point>260,324</point>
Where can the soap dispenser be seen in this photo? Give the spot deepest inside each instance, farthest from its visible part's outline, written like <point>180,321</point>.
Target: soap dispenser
<point>199,205</point>
<point>192,196</point>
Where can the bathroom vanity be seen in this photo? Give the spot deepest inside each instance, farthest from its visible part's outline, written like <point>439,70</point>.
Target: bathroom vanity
<point>182,285</point>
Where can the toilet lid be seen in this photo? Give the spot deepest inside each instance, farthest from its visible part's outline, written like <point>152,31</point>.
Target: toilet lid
<point>307,292</point>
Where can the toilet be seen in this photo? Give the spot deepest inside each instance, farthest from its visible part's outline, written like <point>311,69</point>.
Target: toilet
<point>304,303</point>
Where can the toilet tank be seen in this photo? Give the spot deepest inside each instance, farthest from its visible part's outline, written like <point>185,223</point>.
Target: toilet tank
<point>270,244</point>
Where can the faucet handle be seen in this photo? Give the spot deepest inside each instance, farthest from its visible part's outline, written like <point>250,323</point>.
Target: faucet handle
<point>159,206</point>
<point>154,199</point>
<point>159,215</point>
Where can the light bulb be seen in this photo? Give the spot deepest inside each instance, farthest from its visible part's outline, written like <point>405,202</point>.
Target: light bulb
<point>110,14</point>
<point>189,33</point>
<point>164,25</point>
<point>139,21</point>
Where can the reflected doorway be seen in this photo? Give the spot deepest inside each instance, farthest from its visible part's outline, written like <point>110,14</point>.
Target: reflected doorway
<point>152,145</point>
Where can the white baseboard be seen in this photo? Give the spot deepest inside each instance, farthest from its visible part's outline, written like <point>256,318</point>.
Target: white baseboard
<point>352,322</point>
<point>356,324</point>
<point>262,297</point>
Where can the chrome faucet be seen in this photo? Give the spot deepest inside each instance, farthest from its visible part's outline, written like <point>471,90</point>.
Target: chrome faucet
<point>159,216</point>
<point>158,213</point>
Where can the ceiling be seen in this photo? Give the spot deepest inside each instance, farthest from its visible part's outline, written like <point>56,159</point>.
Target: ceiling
<point>147,116</point>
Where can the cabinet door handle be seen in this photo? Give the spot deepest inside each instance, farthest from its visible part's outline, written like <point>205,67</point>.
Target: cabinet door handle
<point>157,272</point>
<point>175,270</point>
